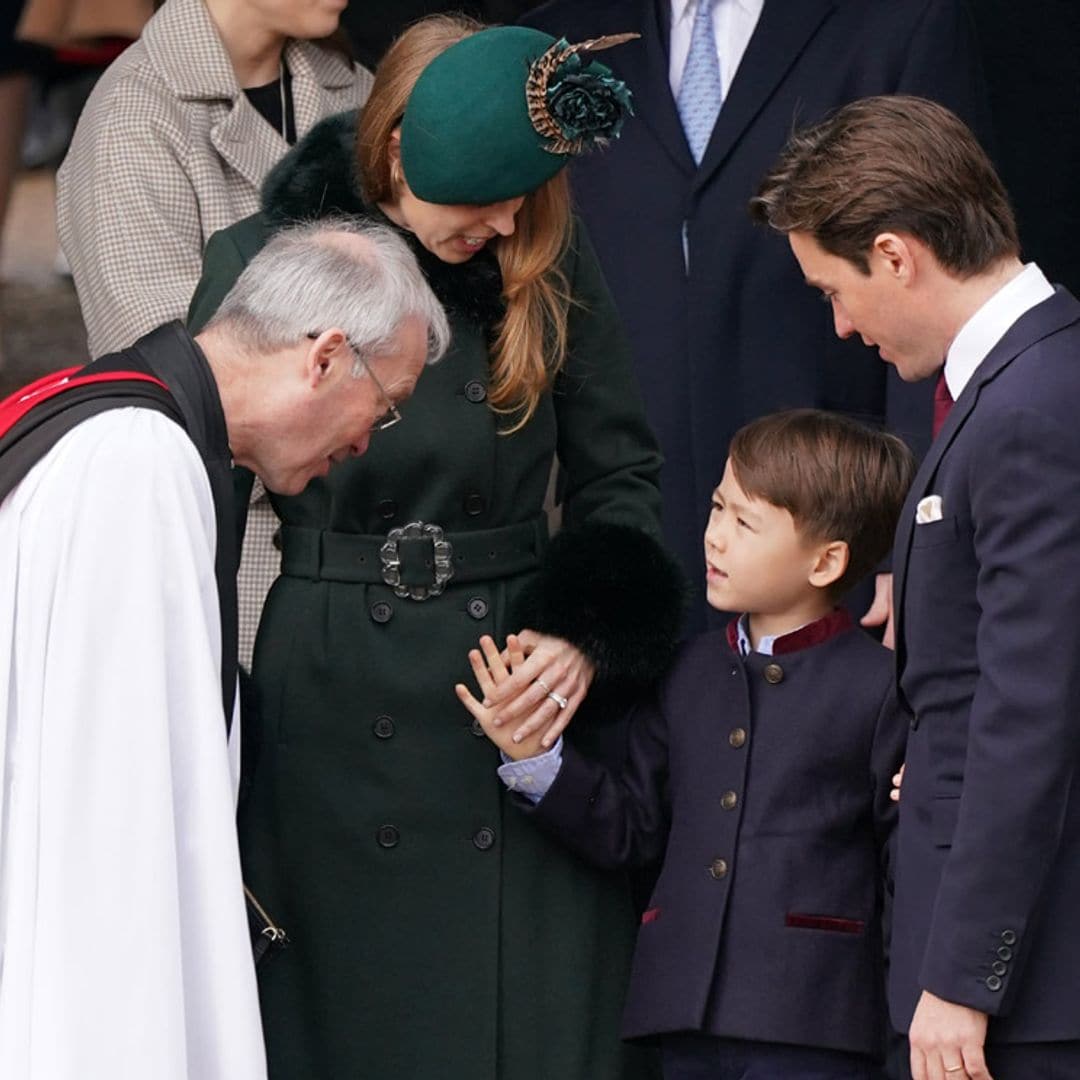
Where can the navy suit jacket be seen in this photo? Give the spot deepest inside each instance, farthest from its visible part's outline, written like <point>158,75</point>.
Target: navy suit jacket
<point>764,782</point>
<point>987,909</point>
<point>741,335</point>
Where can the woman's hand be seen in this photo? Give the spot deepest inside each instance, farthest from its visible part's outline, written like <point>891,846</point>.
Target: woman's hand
<point>491,671</point>
<point>549,680</point>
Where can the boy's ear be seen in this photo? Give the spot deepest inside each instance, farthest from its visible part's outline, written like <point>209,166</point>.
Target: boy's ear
<point>830,565</point>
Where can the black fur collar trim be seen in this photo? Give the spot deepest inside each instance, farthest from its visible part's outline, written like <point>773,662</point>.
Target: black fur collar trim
<point>317,178</point>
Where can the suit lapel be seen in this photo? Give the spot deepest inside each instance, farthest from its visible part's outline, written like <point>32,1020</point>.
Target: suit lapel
<point>781,34</point>
<point>1044,319</point>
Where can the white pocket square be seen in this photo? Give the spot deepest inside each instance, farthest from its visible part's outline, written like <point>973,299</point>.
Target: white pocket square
<point>928,510</point>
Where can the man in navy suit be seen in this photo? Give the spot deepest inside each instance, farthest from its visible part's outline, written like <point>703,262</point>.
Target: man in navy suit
<point>722,328</point>
<point>919,256</point>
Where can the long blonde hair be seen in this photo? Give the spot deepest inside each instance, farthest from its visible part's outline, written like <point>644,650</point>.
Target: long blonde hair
<point>530,345</point>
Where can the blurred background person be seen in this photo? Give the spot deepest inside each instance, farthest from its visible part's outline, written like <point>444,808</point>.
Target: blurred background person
<point>722,327</point>
<point>175,141</point>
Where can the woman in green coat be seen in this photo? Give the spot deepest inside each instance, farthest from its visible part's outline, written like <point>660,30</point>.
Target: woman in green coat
<point>435,934</point>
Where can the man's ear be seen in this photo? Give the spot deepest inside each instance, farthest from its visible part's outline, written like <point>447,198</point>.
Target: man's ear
<point>894,254</point>
<point>324,354</point>
<point>830,565</point>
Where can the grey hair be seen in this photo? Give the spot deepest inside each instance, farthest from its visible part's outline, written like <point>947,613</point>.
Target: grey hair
<point>306,280</point>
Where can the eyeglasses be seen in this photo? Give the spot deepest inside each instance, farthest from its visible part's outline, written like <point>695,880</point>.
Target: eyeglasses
<point>392,415</point>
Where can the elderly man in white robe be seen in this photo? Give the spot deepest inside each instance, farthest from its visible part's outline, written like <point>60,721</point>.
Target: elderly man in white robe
<point>124,945</point>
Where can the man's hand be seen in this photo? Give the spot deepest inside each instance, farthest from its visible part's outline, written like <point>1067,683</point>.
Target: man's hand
<point>881,610</point>
<point>947,1041</point>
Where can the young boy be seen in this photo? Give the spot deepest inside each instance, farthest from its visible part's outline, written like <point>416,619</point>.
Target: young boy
<point>760,771</point>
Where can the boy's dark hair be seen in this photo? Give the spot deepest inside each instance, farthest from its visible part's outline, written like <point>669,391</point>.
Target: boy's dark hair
<point>891,164</point>
<point>839,480</point>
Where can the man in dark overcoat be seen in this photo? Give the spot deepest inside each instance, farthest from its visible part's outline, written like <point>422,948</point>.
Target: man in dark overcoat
<point>722,328</point>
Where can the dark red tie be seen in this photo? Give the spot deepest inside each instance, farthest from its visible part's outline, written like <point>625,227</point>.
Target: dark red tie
<point>943,404</point>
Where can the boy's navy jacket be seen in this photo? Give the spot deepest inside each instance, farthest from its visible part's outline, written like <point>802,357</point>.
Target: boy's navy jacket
<point>764,782</point>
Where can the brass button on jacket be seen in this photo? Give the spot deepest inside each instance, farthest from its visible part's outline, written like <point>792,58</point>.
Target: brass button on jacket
<point>729,800</point>
<point>737,737</point>
<point>773,673</point>
<point>718,868</point>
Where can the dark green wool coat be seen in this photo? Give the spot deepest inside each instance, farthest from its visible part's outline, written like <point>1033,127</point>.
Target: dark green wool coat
<point>436,934</point>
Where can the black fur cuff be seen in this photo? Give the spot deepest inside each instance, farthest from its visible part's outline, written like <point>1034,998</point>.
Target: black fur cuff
<point>615,593</point>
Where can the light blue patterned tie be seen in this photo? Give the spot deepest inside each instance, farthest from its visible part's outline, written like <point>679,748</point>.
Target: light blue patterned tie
<point>700,92</point>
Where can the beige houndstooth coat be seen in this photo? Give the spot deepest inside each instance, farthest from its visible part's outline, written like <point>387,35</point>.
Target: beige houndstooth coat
<point>169,150</point>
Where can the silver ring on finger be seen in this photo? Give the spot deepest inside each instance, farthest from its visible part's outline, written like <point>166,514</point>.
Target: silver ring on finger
<point>954,1068</point>
<point>557,698</point>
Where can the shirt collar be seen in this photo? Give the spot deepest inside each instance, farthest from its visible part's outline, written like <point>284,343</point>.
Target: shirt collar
<point>989,324</point>
<point>680,9</point>
<point>812,633</point>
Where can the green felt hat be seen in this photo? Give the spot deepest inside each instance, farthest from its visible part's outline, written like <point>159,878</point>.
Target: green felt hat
<point>503,110</point>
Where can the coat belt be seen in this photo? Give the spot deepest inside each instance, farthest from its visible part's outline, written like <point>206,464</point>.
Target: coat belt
<point>478,555</point>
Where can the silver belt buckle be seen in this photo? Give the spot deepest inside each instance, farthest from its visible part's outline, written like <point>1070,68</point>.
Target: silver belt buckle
<point>442,564</point>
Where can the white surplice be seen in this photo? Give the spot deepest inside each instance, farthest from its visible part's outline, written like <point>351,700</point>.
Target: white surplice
<point>124,951</point>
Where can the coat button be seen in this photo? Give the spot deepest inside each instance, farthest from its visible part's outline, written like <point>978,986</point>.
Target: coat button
<point>382,612</point>
<point>383,727</point>
<point>483,838</point>
<point>737,737</point>
<point>999,967</point>
<point>1008,936</point>
<point>475,504</point>
<point>729,800</point>
<point>993,982</point>
<point>477,729</point>
<point>478,607</point>
<point>475,391</point>
<point>773,673</point>
<point>387,509</point>
<point>387,836</point>
<point>1004,952</point>
<point>718,869</point>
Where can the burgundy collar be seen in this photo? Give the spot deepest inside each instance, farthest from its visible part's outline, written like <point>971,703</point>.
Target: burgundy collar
<point>820,630</point>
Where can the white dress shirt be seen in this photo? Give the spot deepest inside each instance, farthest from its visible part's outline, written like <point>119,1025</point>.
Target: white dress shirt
<point>733,26</point>
<point>990,323</point>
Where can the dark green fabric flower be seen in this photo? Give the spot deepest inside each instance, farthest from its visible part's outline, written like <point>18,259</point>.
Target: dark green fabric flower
<point>588,101</point>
